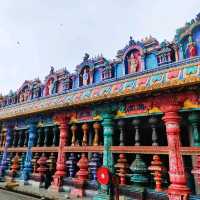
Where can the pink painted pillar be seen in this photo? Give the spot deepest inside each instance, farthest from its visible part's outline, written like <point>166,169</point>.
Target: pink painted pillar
<point>62,120</point>
<point>178,189</point>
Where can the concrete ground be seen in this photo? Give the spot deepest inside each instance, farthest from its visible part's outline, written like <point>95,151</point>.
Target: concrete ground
<point>32,190</point>
<point>7,195</point>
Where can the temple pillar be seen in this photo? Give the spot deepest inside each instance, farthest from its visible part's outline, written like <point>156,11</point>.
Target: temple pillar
<point>55,136</point>
<point>14,138</point>
<point>15,167</point>
<point>35,166</point>
<point>4,161</point>
<point>95,161</point>
<point>46,136</point>
<point>62,120</point>
<point>42,169</point>
<point>72,159</point>
<point>157,169</point>
<point>22,160</point>
<point>26,137</point>
<point>108,131</point>
<point>39,140</point>
<point>138,167</point>
<point>194,119</point>
<point>82,174</point>
<point>19,143</point>
<point>31,135</point>
<point>122,163</point>
<point>178,189</point>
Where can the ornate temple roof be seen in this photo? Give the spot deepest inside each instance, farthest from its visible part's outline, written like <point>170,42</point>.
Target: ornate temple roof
<point>187,29</point>
<point>157,63</point>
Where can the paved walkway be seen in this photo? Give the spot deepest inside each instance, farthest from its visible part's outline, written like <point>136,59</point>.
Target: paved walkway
<point>7,195</point>
<point>34,190</point>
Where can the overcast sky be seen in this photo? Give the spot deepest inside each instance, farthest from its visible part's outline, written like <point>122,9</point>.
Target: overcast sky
<point>35,34</point>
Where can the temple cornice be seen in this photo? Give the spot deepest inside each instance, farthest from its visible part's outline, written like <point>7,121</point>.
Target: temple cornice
<point>174,75</point>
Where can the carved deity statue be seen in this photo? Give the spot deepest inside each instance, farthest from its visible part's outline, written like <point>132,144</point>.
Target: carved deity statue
<point>21,97</point>
<point>27,94</point>
<point>132,63</point>
<point>85,77</point>
<point>36,91</point>
<point>49,87</point>
<point>191,48</point>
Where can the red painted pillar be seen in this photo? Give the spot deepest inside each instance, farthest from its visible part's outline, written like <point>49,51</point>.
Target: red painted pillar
<point>178,189</point>
<point>62,120</point>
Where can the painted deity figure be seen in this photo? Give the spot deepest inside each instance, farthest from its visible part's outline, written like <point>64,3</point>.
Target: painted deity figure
<point>27,94</point>
<point>36,92</point>
<point>85,77</point>
<point>21,97</point>
<point>133,63</point>
<point>49,87</point>
<point>191,48</point>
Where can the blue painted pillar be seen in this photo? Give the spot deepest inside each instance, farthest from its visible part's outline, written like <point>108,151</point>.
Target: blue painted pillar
<point>4,161</point>
<point>31,140</point>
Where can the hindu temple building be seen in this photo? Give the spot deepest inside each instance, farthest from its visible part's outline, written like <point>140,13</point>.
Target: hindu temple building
<point>137,114</point>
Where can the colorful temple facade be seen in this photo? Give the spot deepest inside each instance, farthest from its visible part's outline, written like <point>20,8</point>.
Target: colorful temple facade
<point>138,115</point>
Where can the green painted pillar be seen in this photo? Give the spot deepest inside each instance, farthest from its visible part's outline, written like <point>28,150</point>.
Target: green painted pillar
<point>194,120</point>
<point>104,192</point>
<point>108,132</point>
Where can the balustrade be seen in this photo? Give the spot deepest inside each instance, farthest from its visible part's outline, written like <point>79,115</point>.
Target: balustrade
<point>122,163</point>
<point>138,167</point>
<point>132,168</point>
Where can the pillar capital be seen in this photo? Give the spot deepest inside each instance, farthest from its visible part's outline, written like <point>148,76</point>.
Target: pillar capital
<point>194,118</point>
<point>168,103</point>
<point>61,119</point>
<point>106,111</point>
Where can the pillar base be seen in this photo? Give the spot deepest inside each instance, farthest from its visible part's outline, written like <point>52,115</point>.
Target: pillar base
<point>102,196</point>
<point>57,184</point>
<point>55,188</point>
<point>78,190</point>
<point>176,192</point>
